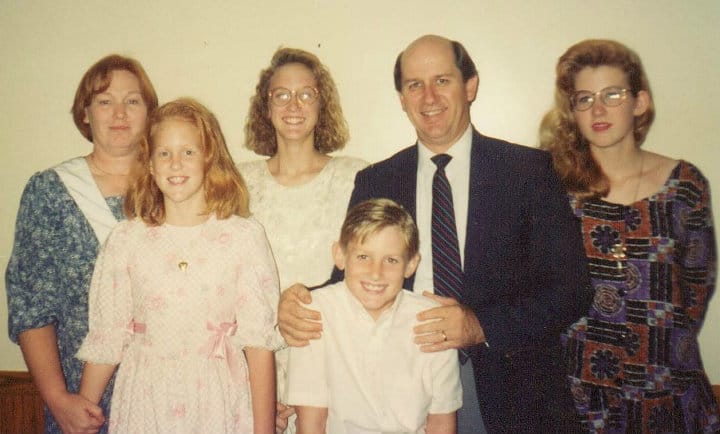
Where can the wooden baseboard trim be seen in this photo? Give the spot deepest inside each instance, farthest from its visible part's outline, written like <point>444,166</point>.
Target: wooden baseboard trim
<point>21,407</point>
<point>15,376</point>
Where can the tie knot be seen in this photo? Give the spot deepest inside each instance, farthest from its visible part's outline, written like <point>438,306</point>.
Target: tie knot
<point>441,160</point>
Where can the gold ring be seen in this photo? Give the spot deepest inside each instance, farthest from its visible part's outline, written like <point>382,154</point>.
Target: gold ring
<point>442,332</point>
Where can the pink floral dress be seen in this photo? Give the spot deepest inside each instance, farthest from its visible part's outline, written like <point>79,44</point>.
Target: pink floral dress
<point>175,306</point>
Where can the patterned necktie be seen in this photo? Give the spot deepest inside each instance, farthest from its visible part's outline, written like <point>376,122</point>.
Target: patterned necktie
<point>447,270</point>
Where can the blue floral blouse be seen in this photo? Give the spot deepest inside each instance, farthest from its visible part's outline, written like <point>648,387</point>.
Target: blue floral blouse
<point>49,273</point>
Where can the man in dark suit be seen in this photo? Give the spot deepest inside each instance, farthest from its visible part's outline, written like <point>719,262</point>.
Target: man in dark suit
<point>523,272</point>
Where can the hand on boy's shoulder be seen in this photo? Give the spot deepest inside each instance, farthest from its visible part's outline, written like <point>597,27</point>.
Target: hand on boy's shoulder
<point>296,323</point>
<point>449,325</point>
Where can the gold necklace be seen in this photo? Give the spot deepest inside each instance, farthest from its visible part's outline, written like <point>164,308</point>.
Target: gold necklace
<point>619,250</point>
<point>94,164</point>
<point>183,262</point>
<point>191,236</point>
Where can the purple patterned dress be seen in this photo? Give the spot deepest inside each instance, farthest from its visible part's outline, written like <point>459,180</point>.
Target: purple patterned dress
<point>633,362</point>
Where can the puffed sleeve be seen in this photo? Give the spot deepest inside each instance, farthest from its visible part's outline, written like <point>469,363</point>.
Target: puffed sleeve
<point>697,254</point>
<point>110,302</point>
<point>31,279</point>
<point>259,287</point>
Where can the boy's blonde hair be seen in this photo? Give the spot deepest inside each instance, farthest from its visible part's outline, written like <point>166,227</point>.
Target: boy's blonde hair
<point>374,215</point>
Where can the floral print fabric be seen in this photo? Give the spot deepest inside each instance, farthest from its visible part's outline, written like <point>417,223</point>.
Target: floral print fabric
<point>48,276</point>
<point>634,362</point>
<point>175,306</point>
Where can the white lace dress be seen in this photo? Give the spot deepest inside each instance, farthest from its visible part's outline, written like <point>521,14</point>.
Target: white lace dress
<point>175,306</point>
<point>301,223</point>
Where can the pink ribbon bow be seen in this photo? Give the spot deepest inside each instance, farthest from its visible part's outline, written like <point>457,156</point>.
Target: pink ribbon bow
<point>220,347</point>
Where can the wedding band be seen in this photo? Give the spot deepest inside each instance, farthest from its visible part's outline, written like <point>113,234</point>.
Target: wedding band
<point>442,332</point>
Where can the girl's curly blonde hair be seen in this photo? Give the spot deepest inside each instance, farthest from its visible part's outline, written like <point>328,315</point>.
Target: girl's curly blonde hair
<point>331,131</point>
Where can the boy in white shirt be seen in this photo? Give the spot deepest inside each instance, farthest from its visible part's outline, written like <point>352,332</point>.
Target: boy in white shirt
<point>366,375</point>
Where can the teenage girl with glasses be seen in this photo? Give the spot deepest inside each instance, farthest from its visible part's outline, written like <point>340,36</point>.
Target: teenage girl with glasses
<point>300,192</point>
<point>634,362</point>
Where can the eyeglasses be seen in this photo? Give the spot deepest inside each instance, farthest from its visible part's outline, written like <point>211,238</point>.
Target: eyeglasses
<point>281,97</point>
<point>610,97</point>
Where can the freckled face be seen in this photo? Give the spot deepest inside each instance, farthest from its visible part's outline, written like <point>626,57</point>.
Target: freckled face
<point>295,121</point>
<point>178,164</point>
<point>375,269</point>
<point>605,126</point>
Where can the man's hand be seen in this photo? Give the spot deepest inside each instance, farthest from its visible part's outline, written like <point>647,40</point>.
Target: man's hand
<point>76,415</point>
<point>451,325</point>
<point>298,324</point>
<point>283,413</point>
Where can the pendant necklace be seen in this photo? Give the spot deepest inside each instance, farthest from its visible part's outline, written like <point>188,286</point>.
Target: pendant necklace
<point>619,250</point>
<point>181,257</point>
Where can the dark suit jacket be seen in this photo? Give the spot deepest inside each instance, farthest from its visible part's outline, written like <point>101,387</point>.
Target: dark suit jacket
<point>525,274</point>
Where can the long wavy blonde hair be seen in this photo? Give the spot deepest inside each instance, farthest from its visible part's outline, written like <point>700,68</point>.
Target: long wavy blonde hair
<point>559,134</point>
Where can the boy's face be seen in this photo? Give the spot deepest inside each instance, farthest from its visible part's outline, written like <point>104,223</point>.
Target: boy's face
<point>375,269</point>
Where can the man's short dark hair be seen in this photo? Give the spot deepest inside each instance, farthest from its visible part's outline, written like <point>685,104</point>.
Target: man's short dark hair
<point>462,60</point>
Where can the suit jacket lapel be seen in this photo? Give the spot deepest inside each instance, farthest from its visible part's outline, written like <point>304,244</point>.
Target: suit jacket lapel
<point>408,181</point>
<point>405,185</point>
<point>480,172</point>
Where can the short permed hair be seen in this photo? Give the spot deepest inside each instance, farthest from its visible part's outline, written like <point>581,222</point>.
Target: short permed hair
<point>374,215</point>
<point>225,191</point>
<point>331,131</point>
<point>97,79</point>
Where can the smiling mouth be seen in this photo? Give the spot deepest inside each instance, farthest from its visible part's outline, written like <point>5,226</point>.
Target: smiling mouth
<point>294,120</point>
<point>433,112</point>
<point>374,287</point>
<point>177,180</point>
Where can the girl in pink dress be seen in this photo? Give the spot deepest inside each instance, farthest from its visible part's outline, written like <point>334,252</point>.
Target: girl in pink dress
<point>184,293</point>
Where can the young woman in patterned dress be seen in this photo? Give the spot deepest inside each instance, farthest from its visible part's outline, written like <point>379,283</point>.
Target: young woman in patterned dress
<point>634,362</point>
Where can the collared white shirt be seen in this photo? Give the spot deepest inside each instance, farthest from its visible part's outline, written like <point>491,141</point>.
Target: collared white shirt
<point>370,374</point>
<point>458,173</point>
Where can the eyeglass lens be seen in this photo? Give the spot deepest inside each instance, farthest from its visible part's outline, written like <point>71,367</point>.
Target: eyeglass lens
<point>610,96</point>
<point>282,96</point>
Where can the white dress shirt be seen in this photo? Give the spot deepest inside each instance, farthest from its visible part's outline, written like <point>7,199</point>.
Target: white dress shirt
<point>458,174</point>
<point>370,374</point>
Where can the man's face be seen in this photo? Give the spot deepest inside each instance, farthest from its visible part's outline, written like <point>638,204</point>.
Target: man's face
<point>433,93</point>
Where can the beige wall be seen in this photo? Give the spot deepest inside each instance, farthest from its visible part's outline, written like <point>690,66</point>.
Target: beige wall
<point>214,50</point>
